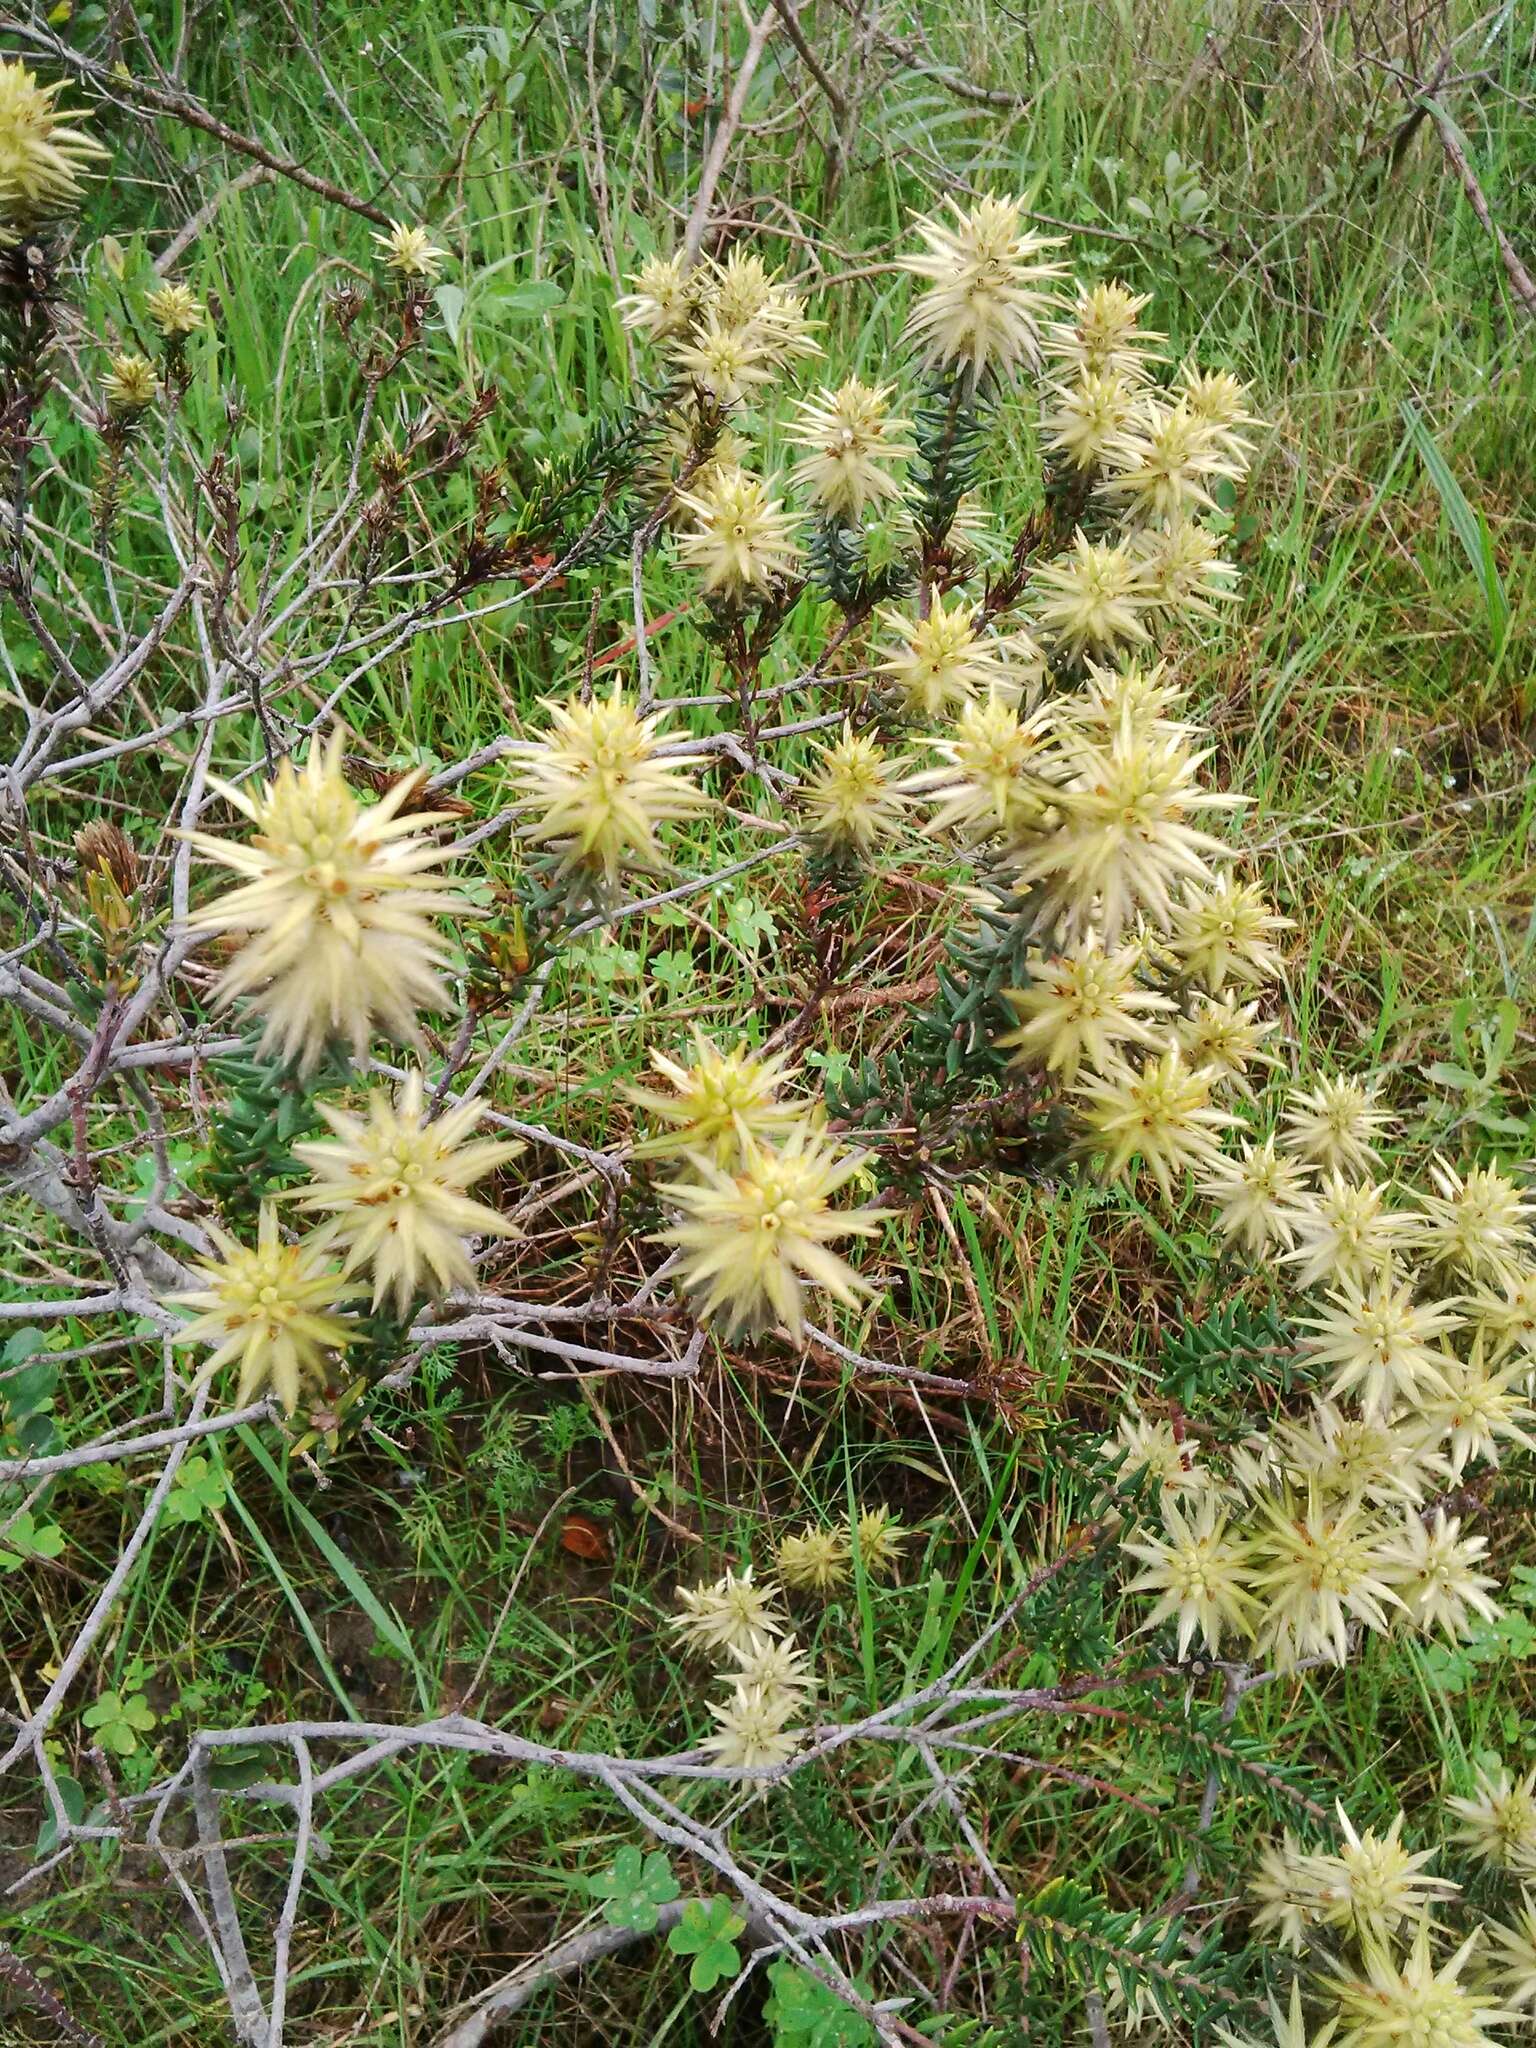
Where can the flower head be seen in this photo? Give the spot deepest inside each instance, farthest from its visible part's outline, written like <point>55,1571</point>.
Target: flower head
<point>1475,1406</point>
<point>755,1732</point>
<point>1104,335</point>
<point>741,539</point>
<point>1184,574</point>
<point>852,799</point>
<point>815,1561</point>
<point>1127,836</point>
<point>130,383</point>
<point>1410,2004</point>
<point>1289,1892</point>
<point>1162,466</point>
<point>1134,698</point>
<point>1255,1194</point>
<point>753,1239</point>
<point>848,436</point>
<point>1150,1444</point>
<point>1079,1007</point>
<point>42,159</point>
<point>1160,1113</point>
<point>1221,401</point>
<point>1088,418</point>
<point>998,778</point>
<point>272,1308</point>
<point>1514,1956</point>
<point>880,1537</point>
<point>1373,1883</point>
<point>175,311</point>
<point>739,290</point>
<point>942,659</point>
<point>1382,1346</point>
<point>1345,1232</point>
<point>1436,1576</point>
<point>1498,1821</point>
<point>1093,595</point>
<point>729,362</point>
<point>335,904</point>
<point>1334,1124</point>
<point>598,786</point>
<point>1228,1037</point>
<point>1198,1572</point>
<point>732,1614</point>
<point>987,287</point>
<point>392,1183</point>
<point>410,252</point>
<point>1477,1224</point>
<point>1342,1454</point>
<point>1504,1315</point>
<point>662,301</point>
<point>717,1101</point>
<point>1223,933</point>
<point>774,1662</point>
<point>1318,1564</point>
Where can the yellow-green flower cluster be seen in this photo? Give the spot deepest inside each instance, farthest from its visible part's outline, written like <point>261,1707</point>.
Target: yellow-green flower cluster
<point>736,1622</point>
<point>391,1185</point>
<point>1339,1522</point>
<point>1381,1968</point>
<point>753,1195</point>
<point>596,788</point>
<point>43,158</point>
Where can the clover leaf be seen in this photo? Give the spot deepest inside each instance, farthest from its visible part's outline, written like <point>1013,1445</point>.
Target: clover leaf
<point>120,1722</point>
<point>200,1490</point>
<point>634,1886</point>
<point>707,1932</point>
<point>807,2014</point>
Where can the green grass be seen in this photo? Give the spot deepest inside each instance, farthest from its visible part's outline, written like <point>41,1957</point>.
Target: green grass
<point>1371,696</point>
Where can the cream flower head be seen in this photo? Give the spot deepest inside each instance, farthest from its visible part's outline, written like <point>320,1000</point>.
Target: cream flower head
<point>271,1307</point>
<point>741,539</point>
<point>848,436</point>
<point>987,287</point>
<point>853,798</point>
<point>1184,574</point>
<point>130,383</point>
<point>753,1240</point>
<point>1092,597</point>
<point>1080,1006</point>
<point>175,311</point>
<point>410,253</point>
<point>1000,772</point>
<point>1198,1570</point>
<point>942,658</point>
<point>1161,467</point>
<point>1256,1193</point>
<point>1335,1125</point>
<point>1127,839</point>
<point>334,905</point>
<point>1160,1114</point>
<point>598,787</point>
<point>754,1732</point>
<point>717,1101</point>
<point>392,1185</point>
<point>1103,335</point>
<point>728,362</point>
<point>815,1561</point>
<point>662,300</point>
<point>42,158</point>
<point>732,1613</point>
<point>1085,420</point>
<point>1223,934</point>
